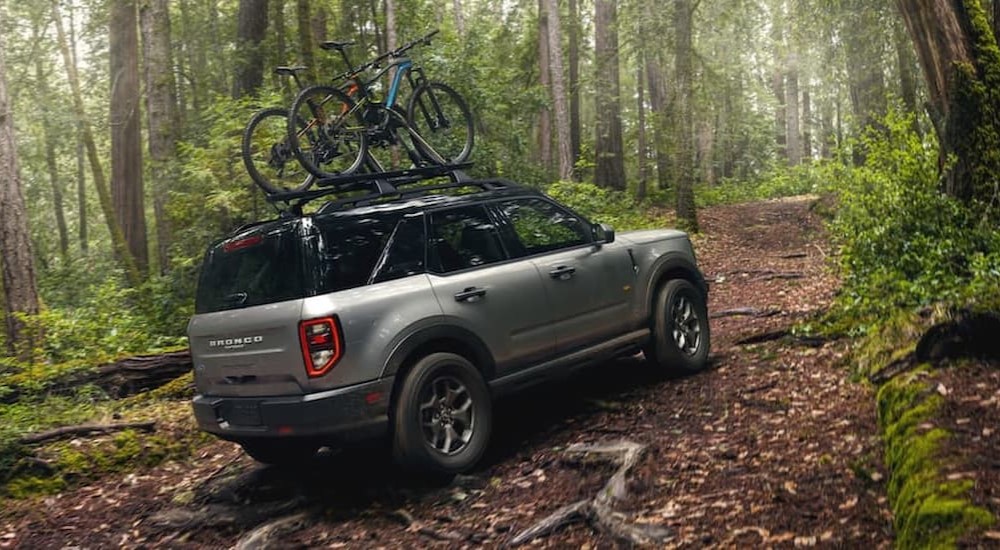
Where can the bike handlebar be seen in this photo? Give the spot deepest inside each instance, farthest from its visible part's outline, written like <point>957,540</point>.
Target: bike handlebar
<point>423,40</point>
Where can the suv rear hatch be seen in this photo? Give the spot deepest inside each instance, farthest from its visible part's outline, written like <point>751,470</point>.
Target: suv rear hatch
<point>244,336</point>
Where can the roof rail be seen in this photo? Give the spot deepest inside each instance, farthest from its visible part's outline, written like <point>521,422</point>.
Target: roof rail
<point>371,186</point>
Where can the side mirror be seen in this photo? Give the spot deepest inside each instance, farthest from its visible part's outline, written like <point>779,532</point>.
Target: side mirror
<point>603,233</point>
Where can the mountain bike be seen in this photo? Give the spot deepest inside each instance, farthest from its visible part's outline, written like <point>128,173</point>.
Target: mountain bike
<point>347,120</point>
<point>266,152</point>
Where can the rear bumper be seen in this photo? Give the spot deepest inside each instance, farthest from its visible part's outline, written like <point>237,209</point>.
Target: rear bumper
<point>344,414</point>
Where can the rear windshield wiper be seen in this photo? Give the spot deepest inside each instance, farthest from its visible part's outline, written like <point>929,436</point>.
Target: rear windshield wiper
<point>236,299</point>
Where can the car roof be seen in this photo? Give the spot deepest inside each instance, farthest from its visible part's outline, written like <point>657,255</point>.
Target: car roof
<point>491,189</point>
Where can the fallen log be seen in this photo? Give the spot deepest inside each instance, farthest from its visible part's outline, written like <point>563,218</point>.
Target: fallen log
<point>85,429</point>
<point>772,276</point>
<point>599,511</point>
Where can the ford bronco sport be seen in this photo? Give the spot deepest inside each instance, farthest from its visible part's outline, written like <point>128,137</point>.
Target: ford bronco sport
<point>404,311</point>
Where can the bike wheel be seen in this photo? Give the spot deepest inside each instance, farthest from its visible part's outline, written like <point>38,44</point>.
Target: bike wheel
<point>332,140</point>
<point>442,119</point>
<point>268,156</point>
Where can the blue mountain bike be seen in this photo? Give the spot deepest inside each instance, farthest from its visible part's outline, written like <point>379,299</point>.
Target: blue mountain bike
<point>330,129</point>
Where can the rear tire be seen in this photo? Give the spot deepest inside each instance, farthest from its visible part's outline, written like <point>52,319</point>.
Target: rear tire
<point>443,416</point>
<point>280,452</point>
<point>333,140</point>
<point>268,156</point>
<point>681,335</point>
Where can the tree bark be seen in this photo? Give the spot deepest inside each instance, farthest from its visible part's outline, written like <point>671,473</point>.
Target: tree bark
<point>996,20</point>
<point>793,141</point>
<point>122,252</point>
<point>161,116</point>
<point>905,60</point>
<point>778,82</point>
<point>807,126</point>
<point>126,140</point>
<point>17,262</point>
<point>319,19</point>
<point>544,79</point>
<point>683,62</point>
<point>81,178</point>
<point>574,81</point>
<point>559,92</point>
<point>250,31</point>
<point>279,31</point>
<point>304,21</point>
<point>658,110</point>
<point>865,74</point>
<point>643,149</point>
<point>48,139</point>
<point>459,17</point>
<point>961,64</point>
<point>608,149</point>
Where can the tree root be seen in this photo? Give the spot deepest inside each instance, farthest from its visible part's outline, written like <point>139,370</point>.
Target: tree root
<point>268,535</point>
<point>599,511</point>
<point>745,311</point>
<point>85,429</point>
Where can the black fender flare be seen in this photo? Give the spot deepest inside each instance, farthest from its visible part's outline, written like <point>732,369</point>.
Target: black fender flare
<point>672,263</point>
<point>472,344</point>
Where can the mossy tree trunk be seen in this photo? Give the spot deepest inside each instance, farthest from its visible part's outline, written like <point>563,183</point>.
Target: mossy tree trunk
<point>961,63</point>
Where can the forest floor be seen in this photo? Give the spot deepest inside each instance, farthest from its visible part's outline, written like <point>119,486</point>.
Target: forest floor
<point>772,446</point>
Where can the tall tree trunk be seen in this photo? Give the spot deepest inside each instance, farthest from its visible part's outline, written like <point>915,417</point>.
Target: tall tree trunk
<point>996,20</point>
<point>459,17</point>
<point>304,21</point>
<point>807,126</point>
<point>683,61</point>
<point>608,149</point>
<point>250,31</point>
<point>544,79</point>
<point>122,252</point>
<point>48,137</point>
<point>961,64</point>
<point>778,82</point>
<point>320,16</point>
<point>280,44</point>
<point>574,81</point>
<point>864,71</point>
<point>658,109</point>
<point>81,178</point>
<point>161,116</point>
<point>126,139</point>
<point>905,60</point>
<point>390,25</point>
<point>559,92</point>
<point>16,258</point>
<point>793,141</point>
<point>643,149</point>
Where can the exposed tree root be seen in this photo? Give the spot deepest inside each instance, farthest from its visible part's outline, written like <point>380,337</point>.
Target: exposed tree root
<point>745,311</point>
<point>268,535</point>
<point>599,511</point>
<point>85,429</point>
<point>772,276</point>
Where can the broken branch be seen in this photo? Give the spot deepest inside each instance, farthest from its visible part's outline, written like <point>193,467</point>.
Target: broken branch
<point>745,311</point>
<point>85,429</point>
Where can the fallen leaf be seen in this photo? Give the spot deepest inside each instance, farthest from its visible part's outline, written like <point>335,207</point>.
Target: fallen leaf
<point>790,486</point>
<point>992,535</point>
<point>805,541</point>
<point>942,389</point>
<point>851,503</point>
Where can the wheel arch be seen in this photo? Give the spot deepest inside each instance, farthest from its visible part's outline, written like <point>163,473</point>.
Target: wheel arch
<point>667,269</point>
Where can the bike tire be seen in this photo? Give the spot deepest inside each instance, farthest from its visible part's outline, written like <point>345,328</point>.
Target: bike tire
<point>333,140</point>
<point>267,154</point>
<point>442,119</point>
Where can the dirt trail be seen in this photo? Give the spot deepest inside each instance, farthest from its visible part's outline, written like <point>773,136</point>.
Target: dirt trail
<point>772,446</point>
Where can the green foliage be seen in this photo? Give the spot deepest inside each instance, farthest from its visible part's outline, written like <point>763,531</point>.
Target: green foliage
<point>777,183</point>
<point>601,205</point>
<point>903,243</point>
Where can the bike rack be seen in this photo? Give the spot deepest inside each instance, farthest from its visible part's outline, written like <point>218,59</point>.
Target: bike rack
<point>365,188</point>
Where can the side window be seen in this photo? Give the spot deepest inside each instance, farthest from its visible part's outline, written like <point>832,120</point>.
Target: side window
<point>541,226</point>
<point>462,238</point>
<point>404,254</point>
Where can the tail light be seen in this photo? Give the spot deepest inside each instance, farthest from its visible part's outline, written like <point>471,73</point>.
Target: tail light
<point>321,345</point>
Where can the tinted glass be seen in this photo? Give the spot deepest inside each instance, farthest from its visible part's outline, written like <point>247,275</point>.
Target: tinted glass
<point>346,249</point>
<point>249,270</point>
<point>462,238</point>
<point>541,226</point>
<point>404,253</point>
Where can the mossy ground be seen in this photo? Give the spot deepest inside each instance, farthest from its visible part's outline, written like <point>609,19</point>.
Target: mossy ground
<point>930,510</point>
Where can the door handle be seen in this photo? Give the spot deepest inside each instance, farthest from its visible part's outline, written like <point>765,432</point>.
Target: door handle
<point>470,295</point>
<point>563,272</point>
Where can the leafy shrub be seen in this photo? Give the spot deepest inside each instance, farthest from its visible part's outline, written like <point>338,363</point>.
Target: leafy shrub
<point>602,205</point>
<point>903,243</point>
<point>779,182</point>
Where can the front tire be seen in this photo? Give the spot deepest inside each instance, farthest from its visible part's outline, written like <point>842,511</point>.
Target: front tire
<point>442,119</point>
<point>443,416</point>
<point>681,335</point>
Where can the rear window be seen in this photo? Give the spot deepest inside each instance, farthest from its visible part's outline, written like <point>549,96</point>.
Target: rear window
<point>358,250</point>
<point>251,269</point>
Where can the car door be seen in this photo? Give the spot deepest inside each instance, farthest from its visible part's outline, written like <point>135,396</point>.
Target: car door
<point>588,284</point>
<point>481,289</point>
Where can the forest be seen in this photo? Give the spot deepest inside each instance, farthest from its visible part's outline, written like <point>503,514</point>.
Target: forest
<point>120,163</point>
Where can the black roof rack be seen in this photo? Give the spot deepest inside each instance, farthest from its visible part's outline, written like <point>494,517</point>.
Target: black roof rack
<point>365,188</point>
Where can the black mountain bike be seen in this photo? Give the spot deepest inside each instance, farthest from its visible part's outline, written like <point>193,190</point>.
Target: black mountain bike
<point>266,151</point>
<point>343,122</point>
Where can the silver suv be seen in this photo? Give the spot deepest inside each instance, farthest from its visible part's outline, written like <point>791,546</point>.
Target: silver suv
<point>404,312</point>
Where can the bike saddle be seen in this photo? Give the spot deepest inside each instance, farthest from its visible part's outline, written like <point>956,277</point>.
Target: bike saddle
<point>336,45</point>
<point>289,70</point>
